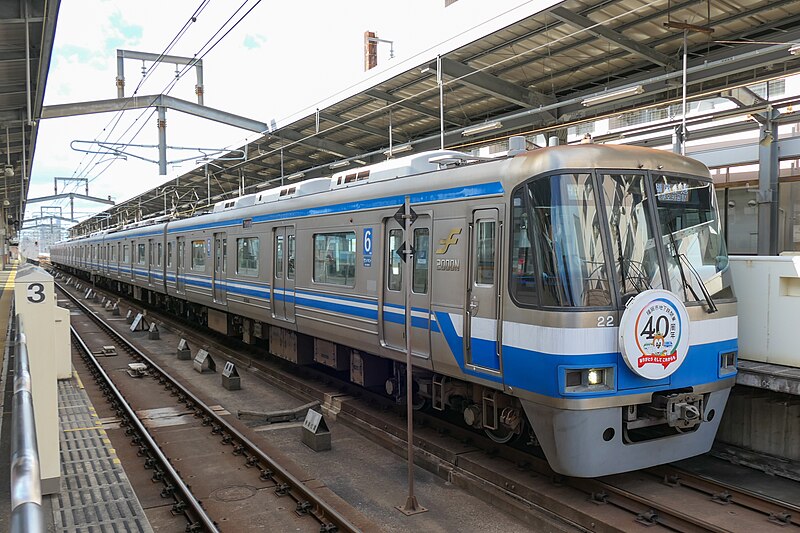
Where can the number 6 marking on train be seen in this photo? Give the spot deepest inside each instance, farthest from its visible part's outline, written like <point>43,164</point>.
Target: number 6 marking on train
<point>35,293</point>
<point>605,321</point>
<point>367,241</point>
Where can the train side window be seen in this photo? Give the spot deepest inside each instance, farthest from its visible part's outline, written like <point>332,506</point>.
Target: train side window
<point>199,255</point>
<point>395,275</point>
<point>484,253</point>
<point>290,250</point>
<point>523,269</point>
<point>169,254</point>
<point>160,254</point>
<point>278,256</point>
<point>421,244</point>
<point>126,256</point>
<point>247,256</point>
<point>224,255</point>
<point>335,258</point>
<point>140,254</point>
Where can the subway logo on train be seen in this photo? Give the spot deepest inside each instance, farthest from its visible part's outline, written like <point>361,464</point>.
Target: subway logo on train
<point>577,298</point>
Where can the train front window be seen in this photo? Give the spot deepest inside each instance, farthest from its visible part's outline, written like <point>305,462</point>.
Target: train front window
<point>690,229</point>
<point>636,266</point>
<point>523,267</point>
<point>572,271</point>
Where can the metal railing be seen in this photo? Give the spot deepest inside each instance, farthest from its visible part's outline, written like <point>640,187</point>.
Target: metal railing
<point>26,490</point>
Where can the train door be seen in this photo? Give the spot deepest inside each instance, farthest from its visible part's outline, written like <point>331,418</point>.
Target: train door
<point>180,266</point>
<point>283,273</point>
<point>151,261</point>
<point>394,288</point>
<point>482,325</point>
<point>220,267</point>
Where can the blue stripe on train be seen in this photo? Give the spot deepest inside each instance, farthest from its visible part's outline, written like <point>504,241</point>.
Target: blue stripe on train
<point>522,367</point>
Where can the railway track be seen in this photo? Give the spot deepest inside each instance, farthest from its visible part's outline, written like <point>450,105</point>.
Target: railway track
<point>660,498</point>
<point>170,425</point>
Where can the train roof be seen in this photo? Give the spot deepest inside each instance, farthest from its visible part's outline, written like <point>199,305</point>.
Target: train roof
<point>312,195</point>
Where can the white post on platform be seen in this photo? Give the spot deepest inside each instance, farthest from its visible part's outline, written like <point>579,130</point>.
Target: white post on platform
<point>34,300</point>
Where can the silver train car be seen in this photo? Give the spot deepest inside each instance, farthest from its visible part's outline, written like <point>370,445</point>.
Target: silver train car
<point>576,296</point>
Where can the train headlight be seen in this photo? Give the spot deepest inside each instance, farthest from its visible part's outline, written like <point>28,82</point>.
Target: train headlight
<point>595,376</point>
<point>582,380</point>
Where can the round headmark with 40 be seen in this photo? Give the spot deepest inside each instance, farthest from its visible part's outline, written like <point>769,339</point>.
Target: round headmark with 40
<point>654,334</point>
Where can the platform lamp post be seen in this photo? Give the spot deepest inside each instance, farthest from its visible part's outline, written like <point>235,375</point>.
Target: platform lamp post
<point>408,216</point>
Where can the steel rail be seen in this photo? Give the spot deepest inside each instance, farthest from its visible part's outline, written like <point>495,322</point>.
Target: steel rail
<point>26,488</point>
<point>195,507</point>
<point>778,511</point>
<point>299,491</point>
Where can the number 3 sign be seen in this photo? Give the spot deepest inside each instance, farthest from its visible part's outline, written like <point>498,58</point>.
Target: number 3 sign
<point>35,293</point>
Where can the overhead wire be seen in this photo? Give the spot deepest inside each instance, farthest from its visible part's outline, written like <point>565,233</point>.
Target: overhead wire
<point>119,114</point>
<point>202,52</point>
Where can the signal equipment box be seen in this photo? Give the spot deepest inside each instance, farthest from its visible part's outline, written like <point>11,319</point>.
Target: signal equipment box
<point>295,347</point>
<point>331,354</point>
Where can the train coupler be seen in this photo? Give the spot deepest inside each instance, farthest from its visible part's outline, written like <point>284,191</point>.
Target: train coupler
<point>684,410</point>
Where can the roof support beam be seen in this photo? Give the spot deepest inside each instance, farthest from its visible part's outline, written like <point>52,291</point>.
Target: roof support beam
<point>71,195</point>
<point>330,117</point>
<point>422,110</point>
<point>618,39</point>
<point>118,104</point>
<point>316,142</point>
<point>158,100</point>
<point>489,84</point>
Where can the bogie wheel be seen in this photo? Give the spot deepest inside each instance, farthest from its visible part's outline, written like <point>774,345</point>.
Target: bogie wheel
<point>504,434</point>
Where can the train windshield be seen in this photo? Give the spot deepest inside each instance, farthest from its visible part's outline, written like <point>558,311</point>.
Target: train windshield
<point>579,237</point>
<point>633,244</point>
<point>694,247</point>
<point>566,224</point>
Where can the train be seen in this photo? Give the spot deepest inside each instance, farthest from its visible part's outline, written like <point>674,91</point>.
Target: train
<point>577,298</point>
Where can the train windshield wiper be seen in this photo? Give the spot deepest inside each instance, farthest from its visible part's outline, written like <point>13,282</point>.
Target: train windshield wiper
<point>712,307</point>
<point>681,259</point>
<point>629,270</point>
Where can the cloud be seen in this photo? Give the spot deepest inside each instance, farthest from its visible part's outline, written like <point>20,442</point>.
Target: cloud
<point>254,41</point>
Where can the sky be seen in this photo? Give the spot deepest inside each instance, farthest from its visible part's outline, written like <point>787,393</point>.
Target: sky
<point>282,60</point>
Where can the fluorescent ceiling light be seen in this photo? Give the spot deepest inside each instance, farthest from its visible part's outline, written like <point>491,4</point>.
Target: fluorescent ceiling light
<point>795,50</point>
<point>480,128</point>
<point>295,176</point>
<point>610,96</point>
<point>398,148</point>
<point>338,164</point>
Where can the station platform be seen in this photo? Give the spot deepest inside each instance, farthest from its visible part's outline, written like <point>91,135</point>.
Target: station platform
<point>777,378</point>
<point>6,387</point>
<point>95,493</point>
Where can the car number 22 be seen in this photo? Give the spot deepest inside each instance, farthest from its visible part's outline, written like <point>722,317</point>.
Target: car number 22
<point>605,321</point>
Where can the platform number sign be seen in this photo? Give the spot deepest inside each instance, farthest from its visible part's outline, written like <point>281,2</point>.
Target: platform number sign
<point>35,293</point>
<point>367,251</point>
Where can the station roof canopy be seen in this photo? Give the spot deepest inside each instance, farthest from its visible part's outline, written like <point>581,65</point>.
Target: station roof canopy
<point>560,65</point>
<point>27,29</point>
